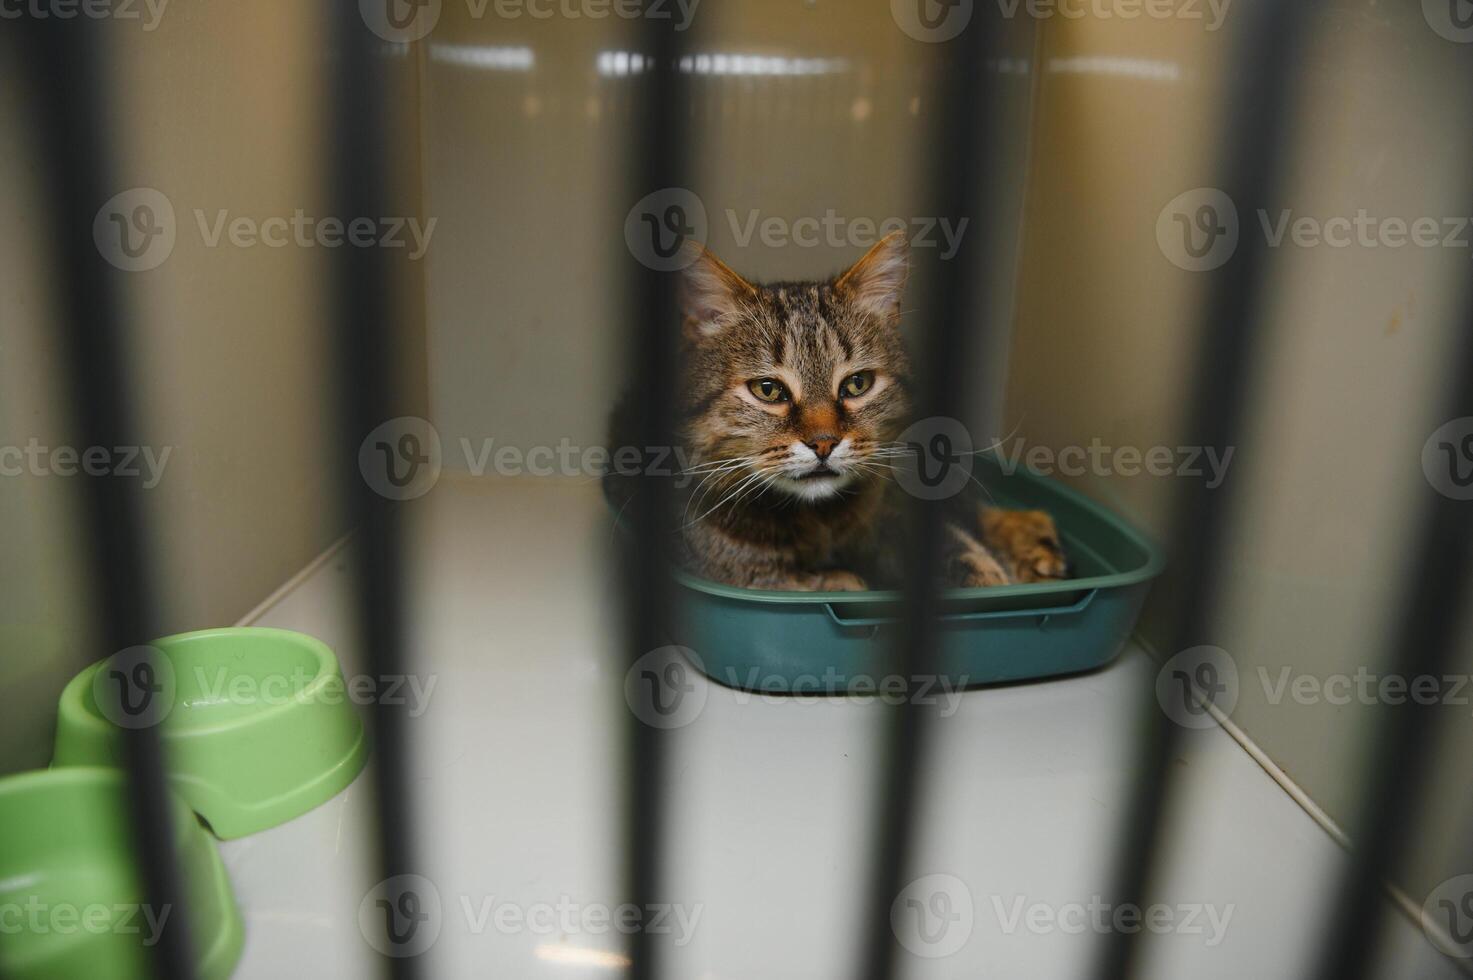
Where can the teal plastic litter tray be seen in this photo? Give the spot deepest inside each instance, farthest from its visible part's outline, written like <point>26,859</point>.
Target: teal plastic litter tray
<point>842,642</point>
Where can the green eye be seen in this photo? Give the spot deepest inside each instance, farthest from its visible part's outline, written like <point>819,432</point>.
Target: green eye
<point>856,384</point>
<point>768,390</point>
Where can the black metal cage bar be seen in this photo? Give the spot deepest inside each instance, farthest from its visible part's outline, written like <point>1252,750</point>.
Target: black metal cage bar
<point>1255,148</point>
<point>65,68</point>
<point>652,322</point>
<point>953,336</point>
<point>1423,644</point>
<point>363,334</point>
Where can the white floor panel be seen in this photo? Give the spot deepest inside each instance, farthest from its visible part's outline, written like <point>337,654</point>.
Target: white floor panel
<point>517,790</point>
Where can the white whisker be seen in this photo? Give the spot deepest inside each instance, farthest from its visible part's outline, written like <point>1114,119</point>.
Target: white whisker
<point>741,484</point>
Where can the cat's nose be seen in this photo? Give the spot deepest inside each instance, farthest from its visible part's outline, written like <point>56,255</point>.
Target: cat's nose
<point>822,446</point>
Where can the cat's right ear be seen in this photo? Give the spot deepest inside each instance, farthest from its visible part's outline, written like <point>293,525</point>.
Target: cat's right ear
<point>710,292</point>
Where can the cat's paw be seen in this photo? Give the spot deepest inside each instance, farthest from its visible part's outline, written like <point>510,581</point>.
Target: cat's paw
<point>1030,541</point>
<point>838,581</point>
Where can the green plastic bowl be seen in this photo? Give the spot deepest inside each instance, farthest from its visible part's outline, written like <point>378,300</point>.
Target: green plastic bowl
<point>843,642</point>
<point>256,722</point>
<point>69,882</point>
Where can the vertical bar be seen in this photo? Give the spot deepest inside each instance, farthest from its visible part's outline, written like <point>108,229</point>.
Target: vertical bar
<point>1266,54</point>
<point>65,63</point>
<point>363,338</point>
<point>953,337</point>
<point>1423,642</point>
<point>652,321</point>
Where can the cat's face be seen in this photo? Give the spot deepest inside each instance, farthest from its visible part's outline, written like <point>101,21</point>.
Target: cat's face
<point>795,388</point>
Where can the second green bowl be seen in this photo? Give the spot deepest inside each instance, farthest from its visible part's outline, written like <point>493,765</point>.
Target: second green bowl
<point>73,900</point>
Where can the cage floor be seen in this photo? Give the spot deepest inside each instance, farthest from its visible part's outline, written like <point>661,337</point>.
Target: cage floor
<point>517,785</point>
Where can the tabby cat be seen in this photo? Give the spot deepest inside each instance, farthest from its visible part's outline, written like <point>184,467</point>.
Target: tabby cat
<point>791,397</point>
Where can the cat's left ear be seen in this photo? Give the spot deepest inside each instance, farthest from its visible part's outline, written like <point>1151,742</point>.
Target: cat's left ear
<point>875,282</point>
